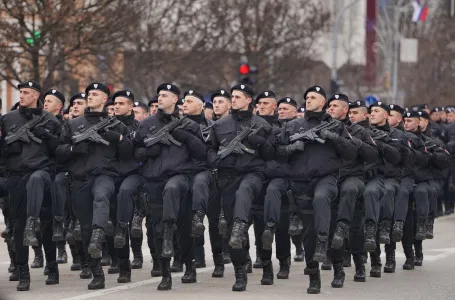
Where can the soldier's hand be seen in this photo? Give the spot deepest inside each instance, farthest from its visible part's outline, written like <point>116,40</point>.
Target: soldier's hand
<point>112,136</point>
<point>328,135</point>
<point>297,146</point>
<point>153,151</point>
<point>181,135</point>
<point>256,141</point>
<point>80,149</point>
<point>42,133</point>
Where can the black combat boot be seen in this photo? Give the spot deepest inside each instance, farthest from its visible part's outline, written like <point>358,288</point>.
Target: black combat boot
<point>430,227</point>
<point>285,266</point>
<point>62,256</point>
<point>11,267</point>
<point>320,254</point>
<point>397,231</point>
<point>86,272</point>
<point>218,272</point>
<point>156,269</point>
<point>249,264</point>
<point>166,281</point>
<point>390,263</point>
<point>375,265</point>
<point>15,273</point>
<point>299,254</point>
<point>24,278</point>
<point>177,266</point>
<point>421,229</point>
<point>77,233</point>
<point>106,259</point>
<point>306,271</point>
<point>347,258</point>
<point>38,262</point>
<point>30,233</point>
<point>315,281</point>
<point>69,238</point>
<point>197,226</point>
<point>76,265</point>
<point>384,232</point>
<point>168,241</point>
<point>57,230</point>
<point>136,225</point>
<point>418,260</point>
<point>226,258</point>
<point>125,271</point>
<point>114,268</point>
<point>267,272</point>
<point>109,230</point>
<point>238,234</point>
<point>295,225</point>
<point>53,276</point>
<point>120,235</point>
<point>190,275</point>
<point>241,279</point>
<point>138,259</point>
<point>222,224</point>
<point>339,235</point>
<point>46,269</point>
<point>359,263</point>
<point>338,275</point>
<point>98,275</point>
<point>95,246</point>
<point>410,260</point>
<point>257,263</point>
<point>370,234</point>
<point>199,257</point>
<point>267,236</point>
<point>326,265</point>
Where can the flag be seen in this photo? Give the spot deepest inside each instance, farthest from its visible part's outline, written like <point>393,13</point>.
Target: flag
<point>420,13</point>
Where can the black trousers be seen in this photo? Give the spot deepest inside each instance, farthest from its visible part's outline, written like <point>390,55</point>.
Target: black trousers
<point>374,192</point>
<point>421,195</point>
<point>237,195</point>
<point>170,203</point>
<point>60,194</point>
<point>436,190</point>
<point>350,190</point>
<point>203,190</point>
<point>128,192</point>
<point>275,191</point>
<point>26,194</point>
<point>257,218</point>
<point>402,198</point>
<point>314,199</point>
<point>408,231</point>
<point>356,240</point>
<point>387,202</point>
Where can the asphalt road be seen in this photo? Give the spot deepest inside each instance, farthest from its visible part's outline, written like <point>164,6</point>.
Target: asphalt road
<point>433,281</point>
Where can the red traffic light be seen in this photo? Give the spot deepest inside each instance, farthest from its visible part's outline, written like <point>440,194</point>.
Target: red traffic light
<point>244,69</point>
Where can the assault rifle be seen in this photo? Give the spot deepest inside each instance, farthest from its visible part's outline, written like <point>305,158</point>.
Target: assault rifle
<point>24,133</point>
<point>92,134</point>
<point>313,133</point>
<point>236,146</point>
<point>163,135</point>
<point>378,135</point>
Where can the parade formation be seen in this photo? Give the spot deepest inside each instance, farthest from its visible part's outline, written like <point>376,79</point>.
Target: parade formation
<point>335,177</point>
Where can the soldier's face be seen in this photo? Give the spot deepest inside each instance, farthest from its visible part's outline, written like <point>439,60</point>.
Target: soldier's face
<point>378,116</point>
<point>96,99</point>
<point>266,106</point>
<point>140,114</point>
<point>240,100</point>
<point>167,100</point>
<point>192,106</point>
<point>394,118</point>
<point>221,106</point>
<point>338,109</point>
<point>52,104</point>
<point>357,115</point>
<point>423,123</point>
<point>314,102</point>
<point>153,108</point>
<point>287,111</point>
<point>411,124</point>
<point>122,106</point>
<point>66,117</point>
<point>443,116</point>
<point>111,110</point>
<point>435,116</point>
<point>28,97</point>
<point>79,106</point>
<point>208,113</point>
<point>451,117</point>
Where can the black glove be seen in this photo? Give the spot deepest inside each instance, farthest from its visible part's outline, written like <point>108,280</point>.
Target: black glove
<point>297,146</point>
<point>112,136</point>
<point>328,135</point>
<point>80,149</point>
<point>14,148</point>
<point>42,133</point>
<point>256,141</point>
<point>153,151</point>
<point>181,135</point>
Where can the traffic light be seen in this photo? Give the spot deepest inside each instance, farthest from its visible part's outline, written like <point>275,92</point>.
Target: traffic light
<point>245,73</point>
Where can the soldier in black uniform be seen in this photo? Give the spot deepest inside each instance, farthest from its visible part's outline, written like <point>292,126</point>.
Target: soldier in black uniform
<point>92,172</point>
<point>221,100</point>
<point>351,184</point>
<point>153,105</point>
<point>314,167</point>
<point>30,166</point>
<point>168,171</point>
<point>240,172</point>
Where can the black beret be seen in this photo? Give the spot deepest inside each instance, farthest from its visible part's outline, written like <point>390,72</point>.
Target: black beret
<point>424,114</point>
<point>394,107</point>
<point>357,104</point>
<point>411,114</point>
<point>55,93</point>
<point>243,88</point>
<point>380,104</point>
<point>341,97</point>
<point>266,94</point>
<point>153,100</point>
<point>437,109</point>
<point>124,93</point>
<point>30,85</point>
<point>302,108</point>
<point>288,100</point>
<point>66,111</point>
<point>141,105</point>
<point>419,107</point>
<point>82,96</point>
<point>450,109</point>
<point>98,86</point>
<point>194,94</point>
<point>316,89</point>
<point>208,105</point>
<point>180,101</point>
<point>109,102</point>
<point>168,87</point>
<point>220,93</point>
